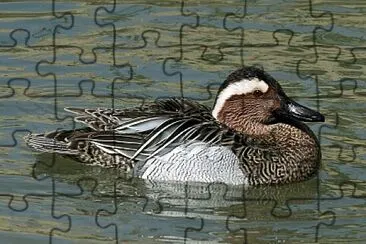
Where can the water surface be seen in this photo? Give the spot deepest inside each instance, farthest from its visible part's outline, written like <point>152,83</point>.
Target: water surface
<point>97,54</point>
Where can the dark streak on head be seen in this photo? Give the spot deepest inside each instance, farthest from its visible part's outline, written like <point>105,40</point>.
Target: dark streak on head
<point>250,72</point>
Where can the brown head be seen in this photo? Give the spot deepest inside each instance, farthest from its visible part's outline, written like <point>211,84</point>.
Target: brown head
<point>250,100</point>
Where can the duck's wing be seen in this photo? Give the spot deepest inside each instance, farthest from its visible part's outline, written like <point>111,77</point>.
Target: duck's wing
<point>142,145</point>
<point>106,126</point>
<point>104,119</point>
<point>140,119</point>
<point>133,133</point>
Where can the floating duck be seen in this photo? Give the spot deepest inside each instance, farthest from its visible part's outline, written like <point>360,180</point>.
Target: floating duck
<point>253,135</point>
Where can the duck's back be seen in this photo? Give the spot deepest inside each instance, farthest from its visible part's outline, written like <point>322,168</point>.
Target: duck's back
<point>116,138</point>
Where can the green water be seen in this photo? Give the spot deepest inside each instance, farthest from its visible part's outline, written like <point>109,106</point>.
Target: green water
<point>81,55</point>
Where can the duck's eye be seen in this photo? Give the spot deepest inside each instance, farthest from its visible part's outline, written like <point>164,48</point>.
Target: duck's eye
<point>258,93</point>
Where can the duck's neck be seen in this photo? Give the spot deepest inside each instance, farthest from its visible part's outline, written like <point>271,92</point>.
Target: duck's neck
<point>294,152</point>
<point>299,152</point>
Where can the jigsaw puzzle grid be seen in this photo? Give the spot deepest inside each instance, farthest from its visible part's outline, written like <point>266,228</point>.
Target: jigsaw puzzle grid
<point>117,54</point>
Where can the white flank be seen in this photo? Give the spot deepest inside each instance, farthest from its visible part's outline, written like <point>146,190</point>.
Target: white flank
<point>238,88</point>
<point>195,162</point>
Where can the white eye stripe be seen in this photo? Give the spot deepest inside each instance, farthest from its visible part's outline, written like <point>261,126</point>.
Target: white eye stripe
<point>238,88</point>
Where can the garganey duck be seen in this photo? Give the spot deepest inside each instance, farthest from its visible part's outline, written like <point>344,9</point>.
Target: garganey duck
<point>253,135</point>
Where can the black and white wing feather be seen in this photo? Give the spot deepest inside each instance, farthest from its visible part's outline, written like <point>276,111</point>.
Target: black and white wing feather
<point>130,134</point>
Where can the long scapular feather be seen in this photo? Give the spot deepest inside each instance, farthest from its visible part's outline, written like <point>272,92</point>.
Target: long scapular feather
<point>44,144</point>
<point>140,124</point>
<point>156,134</point>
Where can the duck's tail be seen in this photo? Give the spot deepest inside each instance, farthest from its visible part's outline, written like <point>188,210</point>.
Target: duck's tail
<point>54,142</point>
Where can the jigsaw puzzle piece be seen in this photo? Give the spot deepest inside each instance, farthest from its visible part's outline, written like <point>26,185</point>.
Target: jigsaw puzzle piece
<point>20,121</point>
<point>80,204</point>
<point>78,192</point>
<point>28,183</point>
<point>306,20</point>
<point>99,88</point>
<point>162,19</point>
<point>238,31</point>
<point>351,87</point>
<point>13,108</point>
<point>248,228</point>
<point>19,114</point>
<point>68,172</point>
<point>37,222</point>
<point>265,215</point>
<point>347,208</point>
<point>87,28</point>
<point>71,60</point>
<point>359,57</point>
<point>17,199</point>
<point>39,24</point>
<point>133,215</point>
<point>334,148</point>
<point>19,61</point>
<point>88,196</point>
<point>12,149</point>
<point>144,50</point>
<point>201,207</point>
<point>240,21</point>
<point>328,63</point>
<point>147,81</point>
<point>19,86</point>
<point>65,69</point>
<point>355,72</point>
<point>119,92</point>
<point>202,39</point>
<point>257,54</point>
<point>200,44</point>
<point>88,95</point>
<point>306,212</point>
<point>230,46</point>
<point>194,84</point>
<point>342,151</point>
<point>70,88</point>
<point>336,136</point>
<point>28,208</point>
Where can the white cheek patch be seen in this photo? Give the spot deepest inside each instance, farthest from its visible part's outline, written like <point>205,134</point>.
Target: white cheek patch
<point>238,88</point>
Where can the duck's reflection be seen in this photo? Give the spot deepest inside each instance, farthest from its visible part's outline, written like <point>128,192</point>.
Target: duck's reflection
<point>230,211</point>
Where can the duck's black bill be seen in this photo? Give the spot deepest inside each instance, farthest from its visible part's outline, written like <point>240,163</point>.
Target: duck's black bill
<point>293,109</point>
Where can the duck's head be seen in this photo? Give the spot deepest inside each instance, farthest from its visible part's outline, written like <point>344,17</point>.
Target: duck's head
<point>250,99</point>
